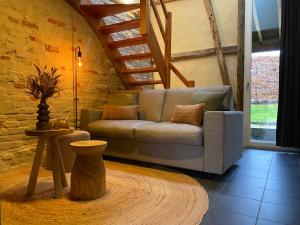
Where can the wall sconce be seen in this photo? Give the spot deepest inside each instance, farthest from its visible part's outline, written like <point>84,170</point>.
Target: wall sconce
<point>75,95</point>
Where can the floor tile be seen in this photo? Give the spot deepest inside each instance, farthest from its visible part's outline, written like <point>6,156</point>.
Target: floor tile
<point>243,191</point>
<point>283,198</point>
<point>266,222</point>
<point>279,213</point>
<point>215,217</point>
<point>243,206</point>
<point>289,187</point>
<point>248,181</point>
<point>252,173</point>
<point>254,166</point>
<point>284,177</point>
<point>211,187</point>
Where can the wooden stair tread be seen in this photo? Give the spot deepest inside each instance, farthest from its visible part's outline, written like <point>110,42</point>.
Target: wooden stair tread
<point>101,10</point>
<point>117,27</point>
<point>144,82</point>
<point>139,56</point>
<point>139,70</point>
<point>127,42</point>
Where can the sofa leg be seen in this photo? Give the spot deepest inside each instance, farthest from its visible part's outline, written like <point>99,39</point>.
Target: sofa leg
<point>208,175</point>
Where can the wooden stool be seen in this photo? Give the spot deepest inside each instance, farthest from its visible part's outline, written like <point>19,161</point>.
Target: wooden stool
<point>88,178</point>
<point>59,176</point>
<point>68,156</point>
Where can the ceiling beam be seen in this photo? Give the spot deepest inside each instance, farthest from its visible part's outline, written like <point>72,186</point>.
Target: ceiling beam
<point>256,21</point>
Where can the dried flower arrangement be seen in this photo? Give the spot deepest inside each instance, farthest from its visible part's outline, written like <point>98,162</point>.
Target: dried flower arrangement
<point>41,86</point>
<point>44,84</point>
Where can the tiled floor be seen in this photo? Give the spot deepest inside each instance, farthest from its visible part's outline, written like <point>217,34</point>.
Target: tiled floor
<point>263,188</point>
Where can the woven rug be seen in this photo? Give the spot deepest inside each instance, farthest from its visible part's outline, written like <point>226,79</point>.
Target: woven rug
<point>136,196</point>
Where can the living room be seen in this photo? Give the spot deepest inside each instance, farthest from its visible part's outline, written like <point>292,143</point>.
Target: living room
<point>133,111</point>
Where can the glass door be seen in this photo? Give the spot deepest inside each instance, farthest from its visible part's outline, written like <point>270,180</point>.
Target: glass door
<point>264,96</point>
<point>262,42</point>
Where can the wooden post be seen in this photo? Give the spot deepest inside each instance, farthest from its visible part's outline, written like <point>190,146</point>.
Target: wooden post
<point>240,54</point>
<point>217,42</point>
<point>168,47</point>
<point>145,16</point>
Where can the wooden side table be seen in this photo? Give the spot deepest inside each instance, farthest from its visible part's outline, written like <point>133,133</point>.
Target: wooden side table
<point>59,176</point>
<point>88,177</point>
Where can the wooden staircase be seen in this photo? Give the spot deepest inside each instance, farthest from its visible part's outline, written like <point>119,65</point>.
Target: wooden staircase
<point>154,58</point>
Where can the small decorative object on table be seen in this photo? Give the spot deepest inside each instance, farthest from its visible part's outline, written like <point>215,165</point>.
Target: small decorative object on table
<point>41,86</point>
<point>61,123</point>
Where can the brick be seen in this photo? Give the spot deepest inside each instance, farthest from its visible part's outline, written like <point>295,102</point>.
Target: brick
<point>19,85</point>
<point>29,24</point>
<point>12,19</point>
<point>60,23</point>
<point>52,21</point>
<point>92,71</point>
<point>32,38</point>
<point>8,124</point>
<point>50,48</point>
<point>5,58</point>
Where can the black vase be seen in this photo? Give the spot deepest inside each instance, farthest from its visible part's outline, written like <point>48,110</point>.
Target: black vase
<point>43,116</point>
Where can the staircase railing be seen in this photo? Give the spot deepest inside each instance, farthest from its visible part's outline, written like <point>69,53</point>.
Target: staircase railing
<point>146,29</point>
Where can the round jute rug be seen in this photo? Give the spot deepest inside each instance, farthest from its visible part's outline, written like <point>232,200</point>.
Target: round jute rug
<point>136,196</point>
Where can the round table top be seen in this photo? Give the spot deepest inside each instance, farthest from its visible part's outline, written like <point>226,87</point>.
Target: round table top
<point>49,133</point>
<point>88,147</point>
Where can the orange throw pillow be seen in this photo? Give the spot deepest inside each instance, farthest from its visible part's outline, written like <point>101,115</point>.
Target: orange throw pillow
<point>111,112</point>
<point>189,114</point>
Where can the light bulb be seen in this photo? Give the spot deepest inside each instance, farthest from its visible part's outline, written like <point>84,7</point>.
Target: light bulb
<point>79,64</point>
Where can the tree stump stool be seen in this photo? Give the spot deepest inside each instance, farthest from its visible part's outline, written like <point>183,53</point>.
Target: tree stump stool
<point>88,178</point>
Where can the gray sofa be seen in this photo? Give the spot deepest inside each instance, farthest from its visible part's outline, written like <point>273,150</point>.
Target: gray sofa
<point>211,148</point>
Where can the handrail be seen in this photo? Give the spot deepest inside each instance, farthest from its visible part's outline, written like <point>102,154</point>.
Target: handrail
<point>188,83</point>
<point>161,28</point>
<point>163,5</point>
<point>166,34</point>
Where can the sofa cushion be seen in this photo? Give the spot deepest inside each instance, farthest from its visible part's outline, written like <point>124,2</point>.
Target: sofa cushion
<point>228,99</point>
<point>176,96</point>
<point>150,104</point>
<point>122,99</point>
<point>112,112</point>
<point>166,132</point>
<point>183,96</point>
<point>213,100</point>
<point>115,128</point>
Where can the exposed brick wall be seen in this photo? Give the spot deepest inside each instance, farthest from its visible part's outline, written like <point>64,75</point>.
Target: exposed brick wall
<point>45,32</point>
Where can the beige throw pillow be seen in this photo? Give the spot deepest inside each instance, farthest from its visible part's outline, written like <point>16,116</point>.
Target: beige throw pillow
<point>111,112</point>
<point>188,114</point>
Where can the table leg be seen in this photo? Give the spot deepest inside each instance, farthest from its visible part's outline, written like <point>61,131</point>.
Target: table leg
<point>49,160</point>
<point>36,165</point>
<point>61,165</point>
<point>56,173</point>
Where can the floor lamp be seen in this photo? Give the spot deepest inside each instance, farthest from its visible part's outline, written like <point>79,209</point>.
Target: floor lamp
<point>79,64</point>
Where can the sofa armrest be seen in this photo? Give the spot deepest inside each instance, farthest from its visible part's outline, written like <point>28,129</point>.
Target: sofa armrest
<point>223,140</point>
<point>88,116</point>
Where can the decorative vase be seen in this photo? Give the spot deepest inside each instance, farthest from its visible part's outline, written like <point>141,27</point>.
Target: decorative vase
<point>43,116</point>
